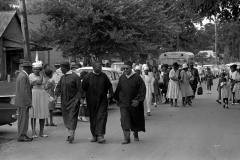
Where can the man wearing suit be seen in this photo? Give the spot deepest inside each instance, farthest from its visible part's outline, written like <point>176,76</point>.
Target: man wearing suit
<point>23,101</point>
<point>196,78</point>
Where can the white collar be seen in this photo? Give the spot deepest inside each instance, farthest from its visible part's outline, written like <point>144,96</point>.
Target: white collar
<point>95,73</point>
<point>25,72</point>
<point>128,76</point>
<point>69,72</point>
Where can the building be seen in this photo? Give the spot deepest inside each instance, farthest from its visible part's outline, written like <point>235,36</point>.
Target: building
<point>11,45</point>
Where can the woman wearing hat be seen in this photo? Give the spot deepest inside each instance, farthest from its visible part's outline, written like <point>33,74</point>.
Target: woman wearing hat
<point>173,92</point>
<point>186,89</point>
<point>40,98</point>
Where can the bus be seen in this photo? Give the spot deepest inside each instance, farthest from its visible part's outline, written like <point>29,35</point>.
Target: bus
<point>178,56</point>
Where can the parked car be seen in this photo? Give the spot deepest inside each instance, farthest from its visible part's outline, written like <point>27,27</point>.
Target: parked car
<point>112,74</point>
<point>8,112</point>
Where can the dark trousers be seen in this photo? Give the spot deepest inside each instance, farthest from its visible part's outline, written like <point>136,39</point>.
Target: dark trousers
<point>70,115</point>
<point>219,93</point>
<point>23,120</point>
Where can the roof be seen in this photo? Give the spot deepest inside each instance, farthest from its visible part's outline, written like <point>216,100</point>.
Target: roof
<point>189,53</point>
<point>5,19</point>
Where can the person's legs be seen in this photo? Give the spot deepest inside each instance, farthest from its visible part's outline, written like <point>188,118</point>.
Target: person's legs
<point>51,118</point>
<point>125,124</point>
<point>23,120</point>
<point>183,101</point>
<point>227,103</point>
<point>41,124</point>
<point>171,102</point>
<point>176,103</point>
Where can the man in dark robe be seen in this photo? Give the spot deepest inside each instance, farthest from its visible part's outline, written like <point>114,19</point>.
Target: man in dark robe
<point>195,80</point>
<point>165,76</point>
<point>96,86</point>
<point>69,89</point>
<point>130,94</point>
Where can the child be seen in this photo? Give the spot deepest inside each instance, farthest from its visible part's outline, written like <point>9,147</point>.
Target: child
<point>225,92</point>
<point>222,75</point>
<point>50,86</point>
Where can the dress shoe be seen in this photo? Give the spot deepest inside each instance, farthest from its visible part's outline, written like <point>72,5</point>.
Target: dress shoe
<point>70,139</point>
<point>126,141</point>
<point>28,137</point>
<point>24,139</point>
<point>94,139</point>
<point>101,139</point>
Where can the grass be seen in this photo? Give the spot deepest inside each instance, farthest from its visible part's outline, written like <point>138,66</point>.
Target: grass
<point>7,88</point>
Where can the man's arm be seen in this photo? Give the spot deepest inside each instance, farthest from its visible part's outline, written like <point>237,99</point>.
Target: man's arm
<point>23,90</point>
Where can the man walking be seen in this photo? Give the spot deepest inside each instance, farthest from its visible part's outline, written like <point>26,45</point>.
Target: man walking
<point>69,89</point>
<point>23,100</point>
<point>195,80</point>
<point>96,86</point>
<point>130,94</point>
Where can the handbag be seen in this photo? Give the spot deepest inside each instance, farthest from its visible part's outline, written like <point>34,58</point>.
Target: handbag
<point>200,90</point>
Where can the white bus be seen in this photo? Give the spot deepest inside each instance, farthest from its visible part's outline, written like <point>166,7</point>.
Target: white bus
<point>178,56</point>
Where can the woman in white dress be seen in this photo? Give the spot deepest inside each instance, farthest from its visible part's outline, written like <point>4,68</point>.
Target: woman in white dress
<point>173,92</point>
<point>186,89</point>
<point>40,99</point>
<point>149,81</point>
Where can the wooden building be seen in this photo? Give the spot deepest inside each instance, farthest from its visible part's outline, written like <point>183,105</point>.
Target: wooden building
<point>11,45</point>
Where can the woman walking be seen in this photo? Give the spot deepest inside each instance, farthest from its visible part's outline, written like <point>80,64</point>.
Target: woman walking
<point>157,91</point>
<point>173,92</point>
<point>209,78</point>
<point>236,88</point>
<point>40,99</point>
<point>186,89</point>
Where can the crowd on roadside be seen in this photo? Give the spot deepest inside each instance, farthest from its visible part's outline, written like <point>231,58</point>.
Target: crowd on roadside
<point>150,86</point>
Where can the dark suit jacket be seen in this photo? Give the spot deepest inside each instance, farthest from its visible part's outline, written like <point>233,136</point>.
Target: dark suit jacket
<point>23,96</point>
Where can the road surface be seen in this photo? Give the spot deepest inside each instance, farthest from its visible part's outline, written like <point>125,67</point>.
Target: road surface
<point>204,131</point>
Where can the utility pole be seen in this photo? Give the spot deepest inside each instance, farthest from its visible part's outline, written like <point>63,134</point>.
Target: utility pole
<point>178,41</point>
<point>24,26</point>
<point>216,39</point>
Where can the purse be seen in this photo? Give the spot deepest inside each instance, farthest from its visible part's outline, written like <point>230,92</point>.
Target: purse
<point>200,90</point>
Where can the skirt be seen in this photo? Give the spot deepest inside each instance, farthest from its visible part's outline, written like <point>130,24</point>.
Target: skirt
<point>236,90</point>
<point>173,91</point>
<point>40,102</point>
<point>186,90</point>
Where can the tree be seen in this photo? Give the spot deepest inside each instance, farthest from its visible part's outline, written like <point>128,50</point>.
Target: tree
<point>6,5</point>
<point>202,58</point>
<point>103,28</point>
<point>219,9</point>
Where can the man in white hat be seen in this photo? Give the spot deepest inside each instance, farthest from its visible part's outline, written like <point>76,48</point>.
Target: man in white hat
<point>138,70</point>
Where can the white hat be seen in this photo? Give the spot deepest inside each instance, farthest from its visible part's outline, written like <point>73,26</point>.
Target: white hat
<point>184,65</point>
<point>37,64</point>
<point>145,68</point>
<point>137,68</point>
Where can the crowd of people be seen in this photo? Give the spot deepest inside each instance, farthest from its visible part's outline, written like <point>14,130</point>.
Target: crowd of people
<point>36,94</point>
<point>229,86</point>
